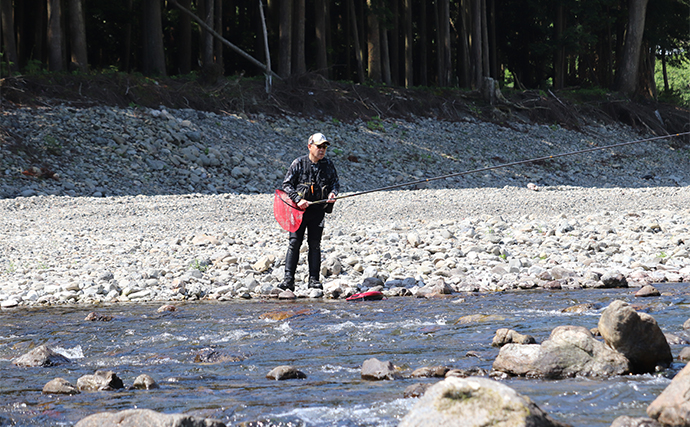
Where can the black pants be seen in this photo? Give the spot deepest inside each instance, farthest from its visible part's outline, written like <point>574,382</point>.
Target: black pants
<point>312,223</point>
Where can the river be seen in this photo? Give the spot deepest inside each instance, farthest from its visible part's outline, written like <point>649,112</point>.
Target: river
<point>328,340</point>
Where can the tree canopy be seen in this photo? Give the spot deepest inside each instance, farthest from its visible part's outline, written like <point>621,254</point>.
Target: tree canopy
<point>446,43</point>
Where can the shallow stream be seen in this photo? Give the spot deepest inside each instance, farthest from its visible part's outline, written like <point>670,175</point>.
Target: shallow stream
<point>327,340</point>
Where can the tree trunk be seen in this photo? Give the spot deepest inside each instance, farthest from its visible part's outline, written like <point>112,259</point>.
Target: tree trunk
<point>184,44</point>
<point>127,54</point>
<point>320,21</point>
<point>78,31</point>
<point>9,40</point>
<point>206,11</point>
<point>486,68</point>
<point>663,70</point>
<point>633,43</point>
<point>478,72</point>
<point>373,43</point>
<point>443,31</point>
<point>394,40</point>
<point>300,64</point>
<point>559,59</point>
<point>285,36</point>
<point>218,25</point>
<point>153,63</point>
<point>355,37</point>
<point>409,82</point>
<point>423,46</point>
<point>465,68</point>
<point>385,57</point>
<point>55,39</point>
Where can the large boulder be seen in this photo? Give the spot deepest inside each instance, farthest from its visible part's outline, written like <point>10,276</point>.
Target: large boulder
<point>635,335</point>
<point>570,351</point>
<point>41,356</point>
<point>672,406</point>
<point>145,418</point>
<point>469,402</point>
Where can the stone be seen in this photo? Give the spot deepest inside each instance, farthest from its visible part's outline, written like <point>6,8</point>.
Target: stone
<point>144,382</point>
<point>376,370</point>
<point>430,372</point>
<point>285,372</point>
<point>147,418</point>
<point>508,336</point>
<point>635,335</point>
<point>41,356</point>
<point>470,402</point>
<point>100,381</point>
<point>648,291</point>
<point>59,386</point>
<point>672,406</point>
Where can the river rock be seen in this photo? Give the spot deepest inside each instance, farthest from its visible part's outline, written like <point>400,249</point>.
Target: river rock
<point>626,421</point>
<point>684,354</point>
<point>569,351</point>
<point>41,356</point>
<point>635,335</point>
<point>672,406</point>
<point>416,390</point>
<point>285,372</point>
<point>147,418</point>
<point>508,336</point>
<point>430,372</point>
<point>59,386</point>
<point>376,370</point>
<point>648,291</point>
<point>470,402</point>
<point>100,381</point>
<point>144,382</point>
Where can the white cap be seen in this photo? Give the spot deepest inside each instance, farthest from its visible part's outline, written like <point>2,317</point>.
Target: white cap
<point>318,139</point>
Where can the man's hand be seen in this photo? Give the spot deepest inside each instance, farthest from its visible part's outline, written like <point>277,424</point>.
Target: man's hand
<point>303,204</point>
<point>331,198</point>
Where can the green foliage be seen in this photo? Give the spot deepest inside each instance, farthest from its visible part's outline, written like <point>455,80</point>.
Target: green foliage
<point>197,265</point>
<point>33,67</point>
<point>337,151</point>
<point>678,82</point>
<point>376,124</point>
<point>52,145</point>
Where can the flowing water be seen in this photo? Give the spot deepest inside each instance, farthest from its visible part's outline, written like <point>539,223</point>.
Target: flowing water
<point>327,340</point>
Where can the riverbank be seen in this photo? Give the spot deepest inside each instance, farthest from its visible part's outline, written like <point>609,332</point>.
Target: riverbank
<point>108,204</point>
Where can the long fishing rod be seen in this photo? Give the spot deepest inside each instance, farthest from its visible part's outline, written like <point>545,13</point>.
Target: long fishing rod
<point>504,165</point>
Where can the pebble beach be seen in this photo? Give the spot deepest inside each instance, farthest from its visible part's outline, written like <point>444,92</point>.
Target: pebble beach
<point>109,205</point>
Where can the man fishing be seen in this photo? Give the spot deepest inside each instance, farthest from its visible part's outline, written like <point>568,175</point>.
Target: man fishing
<point>310,178</point>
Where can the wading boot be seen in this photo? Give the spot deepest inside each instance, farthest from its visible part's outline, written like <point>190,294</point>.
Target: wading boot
<point>314,283</point>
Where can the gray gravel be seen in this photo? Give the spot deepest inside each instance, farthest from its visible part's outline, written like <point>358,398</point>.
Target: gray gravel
<point>112,205</point>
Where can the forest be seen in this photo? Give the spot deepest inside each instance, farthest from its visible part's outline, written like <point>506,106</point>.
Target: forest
<point>528,44</point>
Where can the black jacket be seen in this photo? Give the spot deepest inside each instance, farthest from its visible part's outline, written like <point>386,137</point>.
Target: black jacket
<point>311,181</point>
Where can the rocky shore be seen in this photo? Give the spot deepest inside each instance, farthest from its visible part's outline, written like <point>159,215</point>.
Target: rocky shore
<point>131,205</point>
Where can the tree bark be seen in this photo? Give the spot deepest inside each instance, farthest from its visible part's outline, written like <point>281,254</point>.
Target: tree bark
<point>355,38</point>
<point>633,43</point>
<point>443,31</point>
<point>78,32</point>
<point>409,74</point>
<point>464,65</point>
<point>300,63</point>
<point>55,39</point>
<point>218,25</point>
<point>184,45</point>
<point>559,58</point>
<point>385,57</point>
<point>423,45</point>
<point>153,63</point>
<point>478,72</point>
<point>206,11</point>
<point>9,40</point>
<point>127,54</point>
<point>321,51</point>
<point>285,37</point>
<point>373,43</point>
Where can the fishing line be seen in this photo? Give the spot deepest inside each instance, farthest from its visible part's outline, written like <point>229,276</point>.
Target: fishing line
<point>505,165</point>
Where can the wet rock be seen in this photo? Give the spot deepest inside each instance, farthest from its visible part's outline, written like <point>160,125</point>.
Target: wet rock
<point>416,390</point>
<point>166,308</point>
<point>686,324</point>
<point>59,386</point>
<point>212,356</point>
<point>648,291</point>
<point>100,381</point>
<point>376,370</point>
<point>470,402</point>
<point>41,356</point>
<point>144,382</point>
<point>579,308</point>
<point>285,372</point>
<point>635,335</point>
<point>570,351</point>
<point>286,295</point>
<point>95,317</point>
<point>614,279</point>
<point>430,372</point>
<point>684,354</point>
<point>626,421</point>
<point>672,406</point>
<point>464,373</point>
<point>145,417</point>
<point>508,336</point>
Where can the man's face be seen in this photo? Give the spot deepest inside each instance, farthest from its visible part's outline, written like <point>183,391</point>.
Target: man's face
<point>317,152</point>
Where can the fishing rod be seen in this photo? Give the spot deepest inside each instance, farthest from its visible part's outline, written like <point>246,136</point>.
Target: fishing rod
<point>504,165</point>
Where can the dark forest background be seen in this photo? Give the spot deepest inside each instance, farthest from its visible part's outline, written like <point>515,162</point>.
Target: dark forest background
<point>526,44</point>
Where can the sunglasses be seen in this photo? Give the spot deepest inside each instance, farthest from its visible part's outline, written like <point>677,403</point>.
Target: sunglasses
<point>322,146</point>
